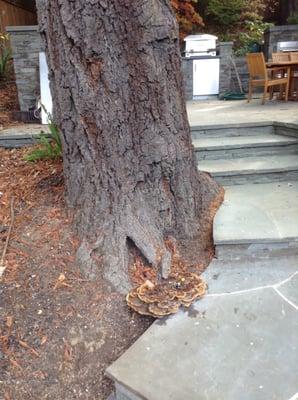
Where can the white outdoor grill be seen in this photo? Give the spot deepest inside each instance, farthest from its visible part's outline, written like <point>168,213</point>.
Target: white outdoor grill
<point>200,45</point>
<point>202,48</point>
<point>287,46</point>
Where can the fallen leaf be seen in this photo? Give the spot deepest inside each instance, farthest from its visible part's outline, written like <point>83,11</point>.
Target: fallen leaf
<point>27,347</point>
<point>9,321</point>
<point>15,363</point>
<point>43,340</point>
<point>7,396</point>
<point>67,351</point>
<point>39,375</point>
<point>61,282</point>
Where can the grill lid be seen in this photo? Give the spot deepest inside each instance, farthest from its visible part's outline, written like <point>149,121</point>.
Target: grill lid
<point>287,46</point>
<point>200,45</point>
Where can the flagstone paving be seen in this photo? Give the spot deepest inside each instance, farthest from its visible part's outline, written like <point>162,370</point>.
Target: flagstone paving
<point>264,212</point>
<point>239,343</point>
<point>225,112</point>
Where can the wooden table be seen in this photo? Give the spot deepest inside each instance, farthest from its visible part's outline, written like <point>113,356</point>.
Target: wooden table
<point>293,65</point>
<point>273,64</point>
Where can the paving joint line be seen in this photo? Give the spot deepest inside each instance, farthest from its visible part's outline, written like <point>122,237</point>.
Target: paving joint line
<point>286,299</point>
<point>275,287</point>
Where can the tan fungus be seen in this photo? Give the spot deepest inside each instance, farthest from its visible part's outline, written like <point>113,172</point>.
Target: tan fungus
<point>165,298</point>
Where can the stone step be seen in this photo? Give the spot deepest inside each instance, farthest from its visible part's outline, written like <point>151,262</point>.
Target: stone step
<point>214,148</point>
<point>257,221</point>
<point>232,130</point>
<point>15,141</point>
<point>239,171</point>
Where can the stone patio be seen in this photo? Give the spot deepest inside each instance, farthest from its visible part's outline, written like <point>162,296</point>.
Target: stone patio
<point>238,343</point>
<point>264,213</point>
<point>226,112</point>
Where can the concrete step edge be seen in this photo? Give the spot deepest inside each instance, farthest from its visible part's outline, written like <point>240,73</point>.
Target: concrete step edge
<point>235,125</point>
<point>242,172</point>
<point>247,146</point>
<point>265,241</point>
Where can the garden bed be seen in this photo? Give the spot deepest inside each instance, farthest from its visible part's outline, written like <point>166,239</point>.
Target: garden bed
<point>59,331</point>
<point>8,102</point>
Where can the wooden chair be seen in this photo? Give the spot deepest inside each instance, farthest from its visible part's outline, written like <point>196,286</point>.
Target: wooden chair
<point>294,76</point>
<point>260,75</point>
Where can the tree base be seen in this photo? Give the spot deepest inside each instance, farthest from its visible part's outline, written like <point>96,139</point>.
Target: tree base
<point>111,252</point>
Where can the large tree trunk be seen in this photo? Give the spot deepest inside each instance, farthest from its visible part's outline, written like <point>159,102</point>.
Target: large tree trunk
<point>130,169</point>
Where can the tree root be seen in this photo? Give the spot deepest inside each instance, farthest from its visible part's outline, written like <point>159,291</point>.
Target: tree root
<point>111,249</point>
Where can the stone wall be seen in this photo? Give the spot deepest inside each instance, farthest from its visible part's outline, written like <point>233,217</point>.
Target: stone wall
<point>225,72</point>
<point>241,66</point>
<point>282,33</point>
<point>26,45</point>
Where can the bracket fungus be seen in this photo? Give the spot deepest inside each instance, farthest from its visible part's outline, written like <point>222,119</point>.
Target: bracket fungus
<point>159,300</point>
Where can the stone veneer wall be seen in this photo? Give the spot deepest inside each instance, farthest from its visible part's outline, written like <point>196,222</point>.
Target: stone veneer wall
<point>225,72</point>
<point>241,66</point>
<point>26,45</point>
<point>282,33</point>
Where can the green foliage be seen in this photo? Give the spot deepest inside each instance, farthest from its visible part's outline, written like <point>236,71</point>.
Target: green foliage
<point>225,12</point>
<point>253,34</point>
<point>253,10</point>
<point>5,55</point>
<point>293,19</point>
<point>239,21</point>
<point>49,145</point>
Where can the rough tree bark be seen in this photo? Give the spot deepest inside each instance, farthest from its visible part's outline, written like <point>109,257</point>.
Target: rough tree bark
<point>129,164</point>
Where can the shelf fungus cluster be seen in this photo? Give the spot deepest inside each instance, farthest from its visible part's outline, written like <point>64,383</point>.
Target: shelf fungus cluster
<point>159,300</point>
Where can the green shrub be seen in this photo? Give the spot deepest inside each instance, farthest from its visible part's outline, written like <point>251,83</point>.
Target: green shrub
<point>253,34</point>
<point>49,144</point>
<point>225,12</point>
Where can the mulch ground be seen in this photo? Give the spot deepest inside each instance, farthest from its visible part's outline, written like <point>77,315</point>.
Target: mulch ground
<point>8,100</point>
<point>58,331</point>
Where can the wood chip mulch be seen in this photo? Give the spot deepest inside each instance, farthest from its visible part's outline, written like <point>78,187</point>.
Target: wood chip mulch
<point>8,102</point>
<point>58,331</point>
